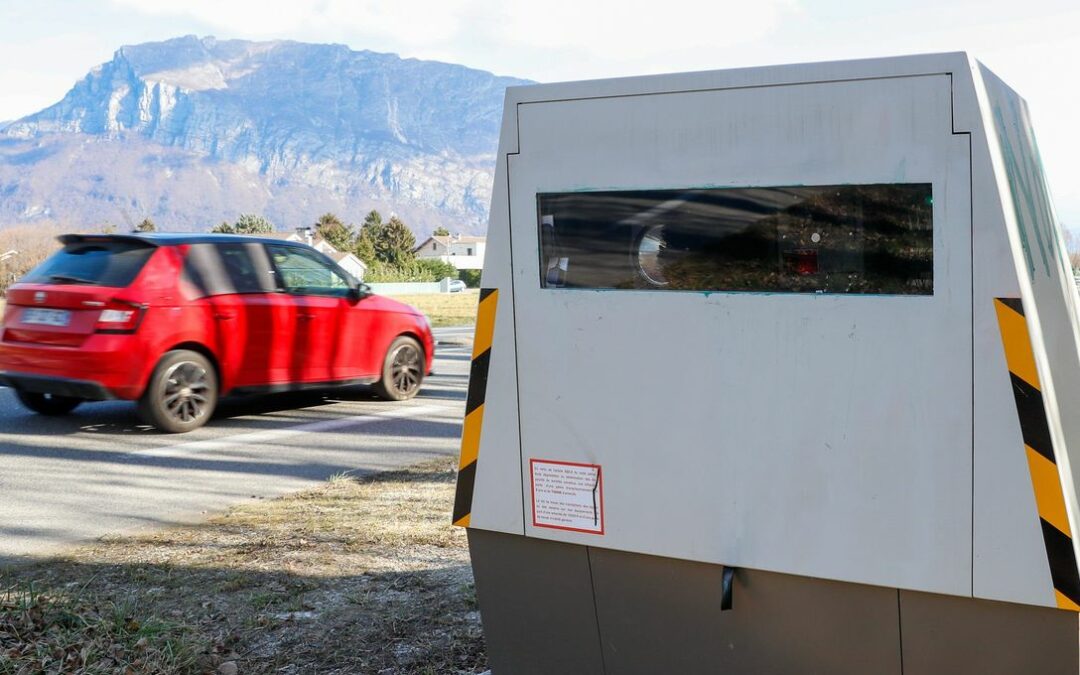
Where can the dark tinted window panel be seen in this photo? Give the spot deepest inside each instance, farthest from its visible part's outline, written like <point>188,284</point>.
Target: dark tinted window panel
<point>100,263</point>
<point>225,269</point>
<point>827,239</point>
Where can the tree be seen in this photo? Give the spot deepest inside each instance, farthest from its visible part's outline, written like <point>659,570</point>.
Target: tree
<point>364,248</point>
<point>249,223</point>
<point>441,231</point>
<point>146,225</point>
<point>395,243</point>
<point>338,234</point>
<point>368,237</point>
<point>246,224</point>
<point>373,219</point>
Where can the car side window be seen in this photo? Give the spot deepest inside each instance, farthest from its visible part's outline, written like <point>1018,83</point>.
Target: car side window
<point>306,273</point>
<point>224,269</point>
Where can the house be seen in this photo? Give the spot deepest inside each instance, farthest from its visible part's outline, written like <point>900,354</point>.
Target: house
<point>463,252</point>
<point>306,235</point>
<point>350,263</point>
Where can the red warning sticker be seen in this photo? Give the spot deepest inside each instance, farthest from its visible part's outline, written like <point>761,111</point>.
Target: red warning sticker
<point>567,496</point>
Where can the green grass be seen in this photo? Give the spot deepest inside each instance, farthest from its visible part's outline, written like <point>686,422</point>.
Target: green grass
<point>67,630</point>
<point>445,309</point>
<point>442,309</point>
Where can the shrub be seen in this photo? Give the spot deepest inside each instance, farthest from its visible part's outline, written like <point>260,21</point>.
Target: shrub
<point>470,277</point>
<point>33,244</point>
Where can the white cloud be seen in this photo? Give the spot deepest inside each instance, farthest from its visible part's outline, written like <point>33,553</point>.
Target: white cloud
<point>550,40</point>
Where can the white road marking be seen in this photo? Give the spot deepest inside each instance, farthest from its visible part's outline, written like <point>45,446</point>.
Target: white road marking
<point>272,435</point>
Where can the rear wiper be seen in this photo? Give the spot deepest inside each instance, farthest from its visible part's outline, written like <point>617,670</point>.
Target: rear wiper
<point>67,279</point>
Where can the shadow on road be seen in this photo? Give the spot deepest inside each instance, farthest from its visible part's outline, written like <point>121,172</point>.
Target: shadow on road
<point>120,417</point>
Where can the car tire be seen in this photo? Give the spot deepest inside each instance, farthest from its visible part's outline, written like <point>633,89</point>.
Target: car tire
<point>182,392</point>
<point>51,405</point>
<point>403,370</point>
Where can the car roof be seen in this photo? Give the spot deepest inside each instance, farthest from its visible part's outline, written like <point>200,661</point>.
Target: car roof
<point>177,238</point>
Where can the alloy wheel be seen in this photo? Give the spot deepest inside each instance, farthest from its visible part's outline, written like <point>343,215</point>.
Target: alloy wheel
<point>406,369</point>
<point>186,385</point>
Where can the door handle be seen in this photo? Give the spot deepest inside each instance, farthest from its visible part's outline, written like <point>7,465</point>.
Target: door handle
<point>306,317</point>
<point>224,316</point>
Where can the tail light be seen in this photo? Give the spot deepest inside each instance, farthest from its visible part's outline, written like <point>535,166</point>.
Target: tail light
<point>120,317</point>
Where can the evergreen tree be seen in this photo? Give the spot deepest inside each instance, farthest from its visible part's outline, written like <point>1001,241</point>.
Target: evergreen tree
<point>338,234</point>
<point>367,240</point>
<point>146,225</point>
<point>364,248</point>
<point>246,224</point>
<point>441,231</point>
<point>396,243</point>
<point>249,223</point>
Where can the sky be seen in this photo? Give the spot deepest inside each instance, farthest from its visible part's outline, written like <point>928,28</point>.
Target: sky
<point>1034,45</point>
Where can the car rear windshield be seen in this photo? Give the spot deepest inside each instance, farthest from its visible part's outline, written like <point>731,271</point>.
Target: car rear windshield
<point>98,263</point>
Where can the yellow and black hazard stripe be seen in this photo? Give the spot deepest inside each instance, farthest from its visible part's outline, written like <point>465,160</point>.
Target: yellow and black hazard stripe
<point>1039,446</point>
<point>474,405</point>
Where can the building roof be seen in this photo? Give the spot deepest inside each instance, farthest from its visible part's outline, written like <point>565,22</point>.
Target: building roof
<point>341,255</point>
<point>452,239</point>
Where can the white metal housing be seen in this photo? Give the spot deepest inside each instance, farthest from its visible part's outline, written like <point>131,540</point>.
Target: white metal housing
<point>862,438</point>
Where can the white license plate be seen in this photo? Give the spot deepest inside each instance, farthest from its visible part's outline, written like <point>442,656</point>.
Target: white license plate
<point>47,317</point>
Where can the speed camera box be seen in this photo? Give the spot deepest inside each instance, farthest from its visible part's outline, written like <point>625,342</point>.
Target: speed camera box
<point>788,339</point>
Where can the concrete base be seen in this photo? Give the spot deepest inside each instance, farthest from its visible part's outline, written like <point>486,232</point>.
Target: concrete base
<point>554,608</point>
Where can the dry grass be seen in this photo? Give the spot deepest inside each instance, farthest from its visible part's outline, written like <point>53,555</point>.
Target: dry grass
<point>359,576</point>
<point>446,309</point>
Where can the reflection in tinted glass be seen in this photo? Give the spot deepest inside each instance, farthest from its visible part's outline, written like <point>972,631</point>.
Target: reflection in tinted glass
<point>225,269</point>
<point>827,239</point>
<point>114,264</point>
<point>303,272</point>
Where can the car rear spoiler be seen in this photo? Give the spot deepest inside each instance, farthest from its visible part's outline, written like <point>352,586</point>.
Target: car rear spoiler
<point>66,239</point>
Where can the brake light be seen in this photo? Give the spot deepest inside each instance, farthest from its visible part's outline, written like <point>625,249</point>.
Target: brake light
<point>120,316</point>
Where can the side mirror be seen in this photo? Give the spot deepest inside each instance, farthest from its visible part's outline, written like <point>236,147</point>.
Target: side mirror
<point>358,292</point>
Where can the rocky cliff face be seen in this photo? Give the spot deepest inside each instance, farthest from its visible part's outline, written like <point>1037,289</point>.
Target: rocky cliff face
<point>192,131</point>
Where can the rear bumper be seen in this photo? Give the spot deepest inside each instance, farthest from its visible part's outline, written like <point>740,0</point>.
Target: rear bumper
<point>103,367</point>
<point>59,386</point>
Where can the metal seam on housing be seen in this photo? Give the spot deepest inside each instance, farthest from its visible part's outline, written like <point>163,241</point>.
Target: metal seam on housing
<point>474,405</point>
<point>1039,450</point>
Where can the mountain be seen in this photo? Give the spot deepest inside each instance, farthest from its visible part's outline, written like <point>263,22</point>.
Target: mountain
<point>193,131</point>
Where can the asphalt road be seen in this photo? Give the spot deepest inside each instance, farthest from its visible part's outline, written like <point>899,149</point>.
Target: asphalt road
<point>99,471</point>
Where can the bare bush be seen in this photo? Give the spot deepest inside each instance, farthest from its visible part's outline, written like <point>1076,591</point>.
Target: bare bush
<point>31,243</point>
<point>1072,247</point>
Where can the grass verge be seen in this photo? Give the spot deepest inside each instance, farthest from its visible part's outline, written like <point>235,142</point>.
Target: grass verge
<point>362,575</point>
<point>442,309</point>
<point>446,309</point>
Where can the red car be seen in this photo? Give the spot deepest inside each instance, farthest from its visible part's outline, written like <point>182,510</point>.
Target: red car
<point>176,321</point>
